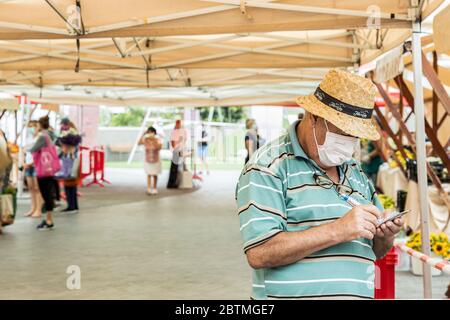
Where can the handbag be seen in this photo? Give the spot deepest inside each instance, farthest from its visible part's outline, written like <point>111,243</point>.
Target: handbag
<point>46,161</point>
<point>6,209</point>
<point>66,167</point>
<point>75,173</point>
<point>186,180</point>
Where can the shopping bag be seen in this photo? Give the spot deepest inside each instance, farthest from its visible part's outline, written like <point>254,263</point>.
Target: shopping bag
<point>6,209</point>
<point>46,161</point>
<point>186,180</point>
<point>75,173</point>
<point>66,167</point>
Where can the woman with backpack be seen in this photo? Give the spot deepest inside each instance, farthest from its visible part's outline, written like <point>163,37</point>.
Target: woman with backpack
<point>152,165</point>
<point>69,140</point>
<point>46,164</point>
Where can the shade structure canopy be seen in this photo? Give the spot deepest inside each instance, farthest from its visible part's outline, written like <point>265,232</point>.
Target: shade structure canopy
<point>52,19</point>
<point>51,47</point>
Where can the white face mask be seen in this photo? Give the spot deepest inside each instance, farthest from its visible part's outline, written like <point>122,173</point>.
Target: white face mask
<point>336,149</point>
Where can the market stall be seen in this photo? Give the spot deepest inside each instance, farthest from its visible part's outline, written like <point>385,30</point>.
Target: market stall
<point>8,169</point>
<point>390,180</point>
<point>439,212</point>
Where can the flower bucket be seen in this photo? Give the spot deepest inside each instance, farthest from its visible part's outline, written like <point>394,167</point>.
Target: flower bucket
<point>417,267</point>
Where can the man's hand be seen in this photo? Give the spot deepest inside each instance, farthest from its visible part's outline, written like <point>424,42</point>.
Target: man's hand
<point>359,222</point>
<point>384,238</point>
<point>388,230</point>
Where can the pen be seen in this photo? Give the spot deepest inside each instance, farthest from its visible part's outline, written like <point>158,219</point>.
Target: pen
<point>353,202</point>
<point>350,200</point>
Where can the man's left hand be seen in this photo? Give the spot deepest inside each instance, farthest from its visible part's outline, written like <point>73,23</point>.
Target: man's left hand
<point>388,230</point>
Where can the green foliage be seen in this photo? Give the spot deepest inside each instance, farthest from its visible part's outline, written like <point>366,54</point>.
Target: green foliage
<point>225,114</point>
<point>133,117</point>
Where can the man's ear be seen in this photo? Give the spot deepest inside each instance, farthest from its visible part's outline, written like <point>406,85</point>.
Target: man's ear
<point>313,119</point>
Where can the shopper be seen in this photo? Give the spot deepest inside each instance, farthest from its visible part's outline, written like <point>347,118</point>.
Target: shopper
<point>68,158</point>
<point>202,148</point>
<point>69,141</point>
<point>30,174</point>
<point>178,141</point>
<point>152,163</point>
<point>308,213</point>
<point>46,163</point>
<point>252,138</point>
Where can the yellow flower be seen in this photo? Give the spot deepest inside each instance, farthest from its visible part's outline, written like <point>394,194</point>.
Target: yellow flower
<point>417,243</point>
<point>443,237</point>
<point>416,235</point>
<point>440,249</point>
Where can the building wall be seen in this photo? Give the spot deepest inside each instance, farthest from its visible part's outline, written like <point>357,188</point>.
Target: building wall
<point>86,118</point>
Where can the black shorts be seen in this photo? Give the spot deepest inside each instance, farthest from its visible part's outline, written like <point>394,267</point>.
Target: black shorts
<point>47,188</point>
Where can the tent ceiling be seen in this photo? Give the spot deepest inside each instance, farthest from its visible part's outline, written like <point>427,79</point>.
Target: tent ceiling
<point>137,18</point>
<point>163,96</point>
<point>188,43</point>
<point>291,50</point>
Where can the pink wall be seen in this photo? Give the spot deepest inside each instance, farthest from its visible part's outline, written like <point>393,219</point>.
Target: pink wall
<point>86,119</point>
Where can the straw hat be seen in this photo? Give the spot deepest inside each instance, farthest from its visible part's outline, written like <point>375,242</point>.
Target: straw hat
<point>347,101</point>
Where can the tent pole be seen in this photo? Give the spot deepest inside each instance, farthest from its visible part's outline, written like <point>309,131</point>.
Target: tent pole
<point>139,135</point>
<point>421,154</point>
<point>24,116</point>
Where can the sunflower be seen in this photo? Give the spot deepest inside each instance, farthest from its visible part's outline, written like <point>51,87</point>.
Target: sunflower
<point>416,235</point>
<point>417,245</point>
<point>443,237</point>
<point>440,249</point>
<point>409,244</point>
<point>434,238</point>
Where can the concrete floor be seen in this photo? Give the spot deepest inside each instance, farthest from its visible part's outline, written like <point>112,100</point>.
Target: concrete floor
<point>177,245</point>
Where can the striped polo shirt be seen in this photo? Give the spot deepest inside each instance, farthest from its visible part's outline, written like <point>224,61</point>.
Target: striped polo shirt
<point>277,193</point>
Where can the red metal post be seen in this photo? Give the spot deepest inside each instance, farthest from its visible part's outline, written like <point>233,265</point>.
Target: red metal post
<point>385,276</point>
<point>101,166</point>
<point>83,175</point>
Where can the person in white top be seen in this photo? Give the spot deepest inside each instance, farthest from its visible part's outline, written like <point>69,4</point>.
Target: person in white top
<point>30,174</point>
<point>152,164</point>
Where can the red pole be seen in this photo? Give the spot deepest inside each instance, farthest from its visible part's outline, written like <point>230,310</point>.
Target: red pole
<point>83,174</point>
<point>385,276</point>
<point>102,164</point>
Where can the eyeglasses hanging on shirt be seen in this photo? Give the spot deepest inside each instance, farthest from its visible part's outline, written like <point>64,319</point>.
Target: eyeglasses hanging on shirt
<point>342,189</point>
<point>322,180</point>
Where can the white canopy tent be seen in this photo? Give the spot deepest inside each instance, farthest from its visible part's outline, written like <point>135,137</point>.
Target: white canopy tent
<point>190,43</point>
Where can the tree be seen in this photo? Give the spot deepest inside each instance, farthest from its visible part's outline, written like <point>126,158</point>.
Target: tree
<point>133,117</point>
<point>226,114</point>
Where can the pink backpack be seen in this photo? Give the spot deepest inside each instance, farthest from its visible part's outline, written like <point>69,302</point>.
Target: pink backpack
<point>46,161</point>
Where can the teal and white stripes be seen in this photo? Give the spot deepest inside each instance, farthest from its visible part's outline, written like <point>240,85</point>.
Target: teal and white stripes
<point>276,193</point>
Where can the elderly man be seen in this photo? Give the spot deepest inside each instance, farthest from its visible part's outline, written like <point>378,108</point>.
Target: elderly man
<point>308,214</point>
